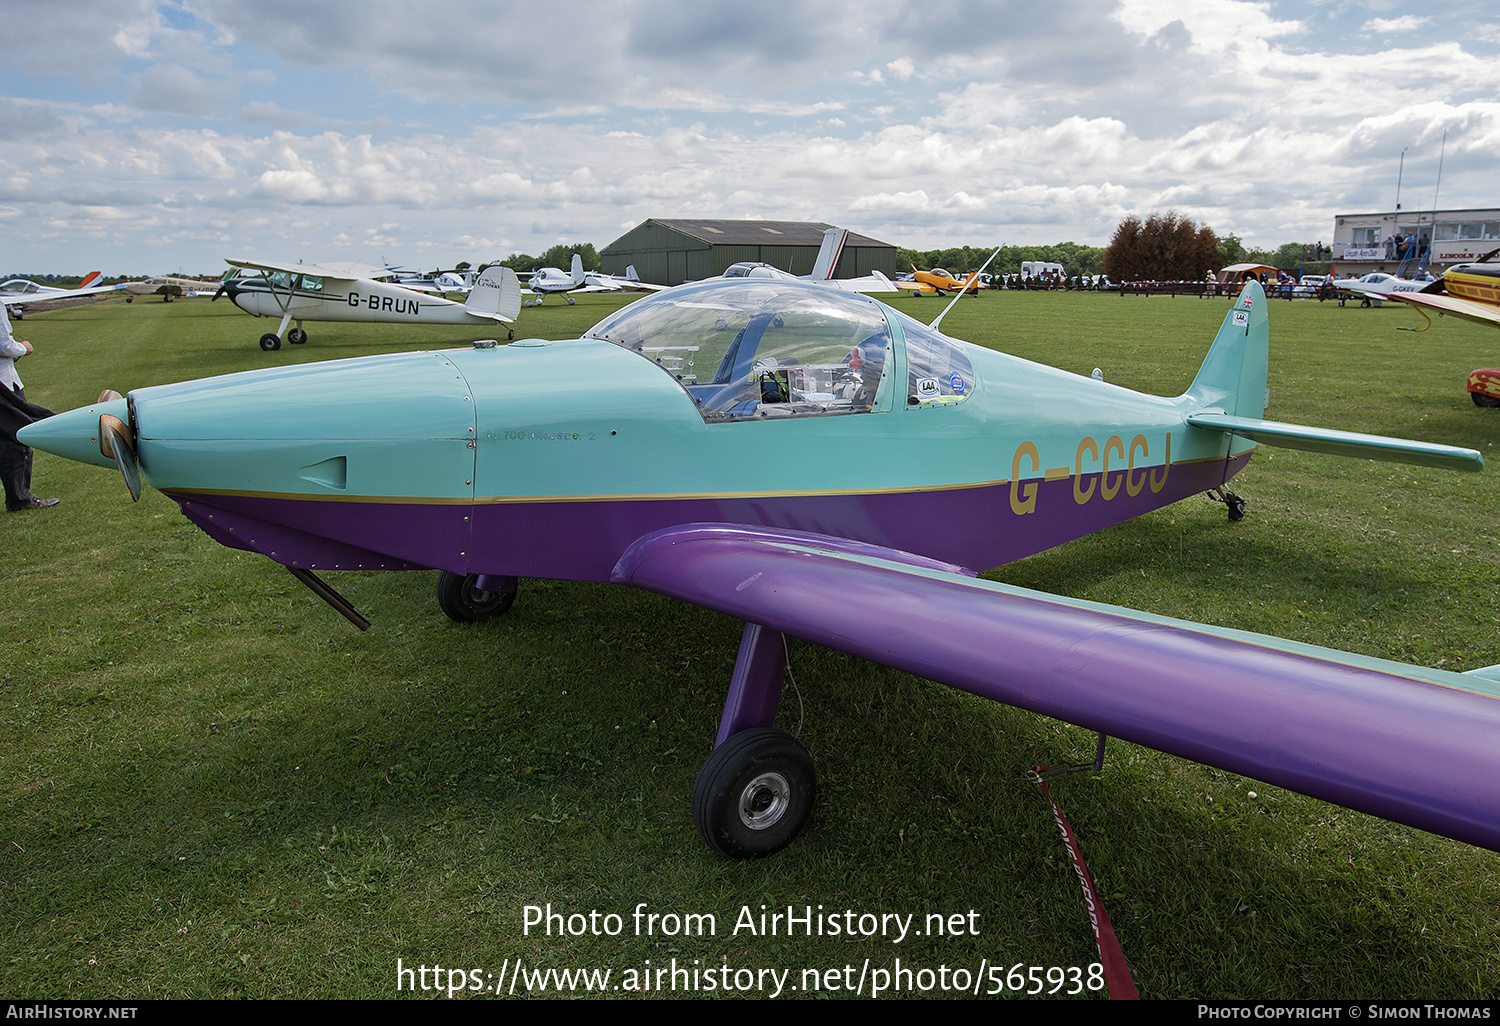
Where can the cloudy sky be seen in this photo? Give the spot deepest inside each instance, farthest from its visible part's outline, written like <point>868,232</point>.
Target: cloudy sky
<point>140,136</point>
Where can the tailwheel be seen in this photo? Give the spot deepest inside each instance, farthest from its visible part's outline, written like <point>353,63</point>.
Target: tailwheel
<point>754,794</point>
<point>1234,503</point>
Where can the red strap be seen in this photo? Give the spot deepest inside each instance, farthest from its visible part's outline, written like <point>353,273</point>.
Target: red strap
<point>1116,972</point>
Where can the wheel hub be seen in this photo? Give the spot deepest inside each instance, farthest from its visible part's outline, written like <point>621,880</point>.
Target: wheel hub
<point>764,801</point>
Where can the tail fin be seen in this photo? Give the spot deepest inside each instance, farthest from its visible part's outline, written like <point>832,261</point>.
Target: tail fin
<point>91,279</point>
<point>630,274</point>
<point>577,270</point>
<point>497,294</point>
<point>1232,379</point>
<point>829,253</point>
<point>1229,397</point>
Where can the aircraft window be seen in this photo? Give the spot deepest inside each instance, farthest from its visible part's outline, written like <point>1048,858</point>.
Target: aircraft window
<point>938,369</point>
<point>756,349</point>
<point>311,283</point>
<point>279,279</point>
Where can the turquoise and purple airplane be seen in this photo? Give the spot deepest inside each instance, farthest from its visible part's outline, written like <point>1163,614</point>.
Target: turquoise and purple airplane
<point>822,466</point>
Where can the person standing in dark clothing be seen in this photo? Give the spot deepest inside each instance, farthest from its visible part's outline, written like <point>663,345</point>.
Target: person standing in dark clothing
<point>15,413</point>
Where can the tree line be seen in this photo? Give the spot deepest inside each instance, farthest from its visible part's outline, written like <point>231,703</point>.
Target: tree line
<point>1162,247</point>
<point>559,256</point>
<point>960,260</point>
<point>1170,247</point>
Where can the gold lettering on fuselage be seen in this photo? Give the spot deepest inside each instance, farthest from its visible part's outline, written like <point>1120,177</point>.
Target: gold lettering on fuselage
<point>1023,497</point>
<point>1166,468</point>
<point>1081,495</point>
<point>1132,486</point>
<point>1088,460</point>
<point>1109,491</point>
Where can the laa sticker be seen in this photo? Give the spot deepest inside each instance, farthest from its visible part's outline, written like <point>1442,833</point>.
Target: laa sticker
<point>1242,318</point>
<point>957,381</point>
<point>927,388</point>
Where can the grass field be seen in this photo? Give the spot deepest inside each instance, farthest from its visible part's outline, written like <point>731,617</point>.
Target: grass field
<point>215,787</point>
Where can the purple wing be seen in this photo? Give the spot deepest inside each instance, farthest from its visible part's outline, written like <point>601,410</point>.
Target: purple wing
<point>1407,743</point>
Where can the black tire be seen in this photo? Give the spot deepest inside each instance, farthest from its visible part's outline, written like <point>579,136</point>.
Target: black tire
<point>458,597</point>
<point>754,794</point>
<point>296,336</point>
<point>1487,401</point>
<point>270,343</point>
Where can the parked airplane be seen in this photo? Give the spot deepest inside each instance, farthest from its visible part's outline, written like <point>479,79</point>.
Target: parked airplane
<point>550,279</point>
<point>940,282</point>
<point>17,292</point>
<point>1470,291</point>
<point>169,287</point>
<point>839,477</point>
<point>1376,286</point>
<point>597,280</point>
<point>824,266</point>
<point>443,283</point>
<point>348,292</point>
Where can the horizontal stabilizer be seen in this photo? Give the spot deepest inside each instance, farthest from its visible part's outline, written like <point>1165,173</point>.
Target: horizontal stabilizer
<point>1406,743</point>
<point>1342,443</point>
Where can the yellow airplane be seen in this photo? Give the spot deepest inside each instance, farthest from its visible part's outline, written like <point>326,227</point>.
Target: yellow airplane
<point>940,282</point>
<point>1470,291</point>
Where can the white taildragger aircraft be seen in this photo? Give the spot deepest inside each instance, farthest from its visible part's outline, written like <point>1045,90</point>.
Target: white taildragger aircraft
<point>17,292</point>
<point>348,292</point>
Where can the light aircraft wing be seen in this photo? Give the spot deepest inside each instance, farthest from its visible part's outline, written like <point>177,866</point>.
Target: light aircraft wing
<point>1406,743</point>
<point>1468,309</point>
<point>913,286</point>
<point>346,271</point>
<point>873,282</point>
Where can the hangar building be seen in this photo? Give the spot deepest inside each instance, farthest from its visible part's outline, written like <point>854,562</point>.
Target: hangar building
<point>670,252</point>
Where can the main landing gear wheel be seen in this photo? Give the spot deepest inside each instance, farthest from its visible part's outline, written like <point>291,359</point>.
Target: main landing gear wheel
<point>269,342</point>
<point>754,794</point>
<point>571,301</point>
<point>1484,400</point>
<point>296,336</point>
<point>463,602</point>
<point>1364,304</point>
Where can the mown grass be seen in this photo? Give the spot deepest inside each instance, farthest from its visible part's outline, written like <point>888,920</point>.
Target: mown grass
<point>215,787</point>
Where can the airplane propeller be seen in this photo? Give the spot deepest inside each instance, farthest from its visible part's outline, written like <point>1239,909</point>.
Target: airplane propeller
<point>114,442</point>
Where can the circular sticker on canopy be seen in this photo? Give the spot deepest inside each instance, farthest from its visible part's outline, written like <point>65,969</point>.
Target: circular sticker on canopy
<point>957,381</point>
